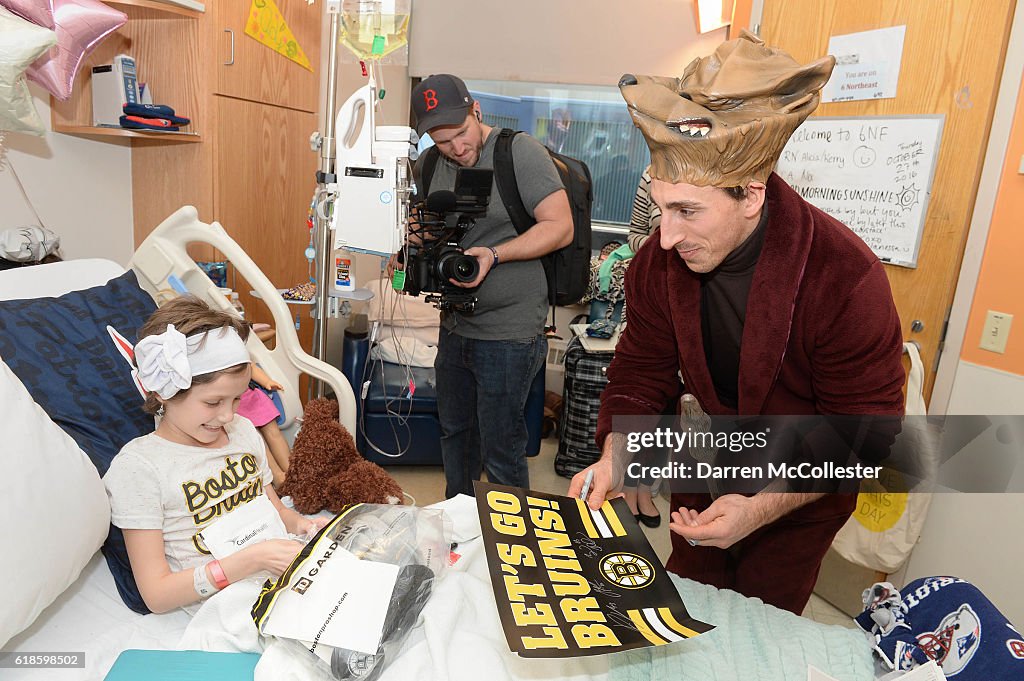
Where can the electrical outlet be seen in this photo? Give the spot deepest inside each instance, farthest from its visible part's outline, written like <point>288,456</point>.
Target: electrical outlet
<point>996,331</point>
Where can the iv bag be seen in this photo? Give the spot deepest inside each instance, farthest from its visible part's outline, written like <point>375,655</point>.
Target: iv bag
<point>375,30</point>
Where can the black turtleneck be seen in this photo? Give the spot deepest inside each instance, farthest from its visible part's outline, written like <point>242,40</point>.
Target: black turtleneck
<point>723,309</point>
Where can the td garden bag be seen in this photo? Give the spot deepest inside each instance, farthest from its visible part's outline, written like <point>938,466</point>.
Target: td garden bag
<point>886,524</point>
<point>363,579</point>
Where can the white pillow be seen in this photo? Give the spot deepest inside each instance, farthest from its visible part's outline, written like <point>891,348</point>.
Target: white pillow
<point>53,508</point>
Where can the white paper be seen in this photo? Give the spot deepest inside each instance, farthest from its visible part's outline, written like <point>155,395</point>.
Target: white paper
<point>867,65</point>
<point>246,525</point>
<point>926,672</point>
<point>336,600</point>
<point>815,674</point>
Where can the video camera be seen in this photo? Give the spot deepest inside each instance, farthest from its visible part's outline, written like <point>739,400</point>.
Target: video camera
<point>441,222</point>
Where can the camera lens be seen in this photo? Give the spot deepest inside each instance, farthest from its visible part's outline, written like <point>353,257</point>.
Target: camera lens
<point>466,269</point>
<point>458,266</point>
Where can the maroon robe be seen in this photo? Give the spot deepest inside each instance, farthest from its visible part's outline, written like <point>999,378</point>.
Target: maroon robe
<point>821,336</point>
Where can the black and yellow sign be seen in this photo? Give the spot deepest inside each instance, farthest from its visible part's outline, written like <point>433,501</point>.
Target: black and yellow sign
<point>570,581</point>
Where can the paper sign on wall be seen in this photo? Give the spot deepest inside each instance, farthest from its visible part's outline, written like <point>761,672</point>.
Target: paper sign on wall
<point>867,65</point>
<point>267,25</point>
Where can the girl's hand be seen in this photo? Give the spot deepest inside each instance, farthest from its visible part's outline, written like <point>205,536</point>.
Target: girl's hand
<point>275,555</point>
<point>310,526</point>
<point>273,385</point>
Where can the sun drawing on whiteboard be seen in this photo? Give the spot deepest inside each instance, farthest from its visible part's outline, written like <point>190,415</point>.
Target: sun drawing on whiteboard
<point>908,198</point>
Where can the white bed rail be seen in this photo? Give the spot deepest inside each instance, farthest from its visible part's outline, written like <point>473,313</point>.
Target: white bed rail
<point>164,255</point>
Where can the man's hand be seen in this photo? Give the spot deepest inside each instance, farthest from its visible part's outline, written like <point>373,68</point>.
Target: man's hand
<point>604,486</point>
<point>609,473</point>
<point>732,517</point>
<point>726,521</point>
<point>485,258</point>
<point>393,265</point>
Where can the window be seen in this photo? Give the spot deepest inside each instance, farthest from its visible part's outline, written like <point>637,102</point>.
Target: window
<point>590,123</point>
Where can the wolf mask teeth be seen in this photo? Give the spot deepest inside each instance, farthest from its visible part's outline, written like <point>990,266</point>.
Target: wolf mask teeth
<point>725,122</point>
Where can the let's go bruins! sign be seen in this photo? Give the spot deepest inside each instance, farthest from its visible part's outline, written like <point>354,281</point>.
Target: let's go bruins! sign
<point>569,581</point>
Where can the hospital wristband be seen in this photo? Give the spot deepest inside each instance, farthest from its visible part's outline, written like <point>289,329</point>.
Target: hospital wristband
<point>201,582</point>
<point>220,580</point>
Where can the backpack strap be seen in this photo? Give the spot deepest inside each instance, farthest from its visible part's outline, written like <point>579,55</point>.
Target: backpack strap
<point>505,177</point>
<point>426,171</point>
<point>508,190</point>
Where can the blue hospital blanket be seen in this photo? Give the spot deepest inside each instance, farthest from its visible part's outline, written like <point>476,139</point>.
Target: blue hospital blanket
<point>751,641</point>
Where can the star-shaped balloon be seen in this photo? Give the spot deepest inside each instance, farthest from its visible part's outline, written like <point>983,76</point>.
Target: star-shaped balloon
<point>81,25</point>
<point>21,43</point>
<point>39,12</point>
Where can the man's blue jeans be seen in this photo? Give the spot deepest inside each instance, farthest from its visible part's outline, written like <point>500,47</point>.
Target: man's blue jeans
<point>482,386</point>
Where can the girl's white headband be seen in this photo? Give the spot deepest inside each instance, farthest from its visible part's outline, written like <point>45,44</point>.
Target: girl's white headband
<point>166,362</point>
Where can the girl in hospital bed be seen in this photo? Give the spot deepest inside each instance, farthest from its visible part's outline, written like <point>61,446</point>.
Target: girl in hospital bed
<point>202,464</point>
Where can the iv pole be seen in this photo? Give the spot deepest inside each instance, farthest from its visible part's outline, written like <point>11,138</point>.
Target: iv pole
<point>326,176</point>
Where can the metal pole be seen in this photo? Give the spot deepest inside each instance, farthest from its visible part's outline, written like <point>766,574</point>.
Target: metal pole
<point>324,247</point>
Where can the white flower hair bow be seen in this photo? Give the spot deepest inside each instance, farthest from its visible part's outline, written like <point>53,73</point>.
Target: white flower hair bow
<point>162,361</point>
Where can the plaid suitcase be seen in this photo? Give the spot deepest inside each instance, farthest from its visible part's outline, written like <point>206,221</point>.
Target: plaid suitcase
<point>585,379</point>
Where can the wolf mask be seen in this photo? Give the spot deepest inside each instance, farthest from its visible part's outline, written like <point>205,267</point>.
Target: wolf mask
<point>725,121</point>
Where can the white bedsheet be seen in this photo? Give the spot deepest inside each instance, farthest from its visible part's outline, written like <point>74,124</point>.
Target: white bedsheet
<point>90,617</point>
<point>459,637</point>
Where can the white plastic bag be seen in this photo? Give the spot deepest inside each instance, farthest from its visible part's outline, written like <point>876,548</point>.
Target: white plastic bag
<point>416,540</point>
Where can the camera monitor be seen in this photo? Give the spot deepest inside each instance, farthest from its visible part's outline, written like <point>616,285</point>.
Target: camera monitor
<point>473,187</point>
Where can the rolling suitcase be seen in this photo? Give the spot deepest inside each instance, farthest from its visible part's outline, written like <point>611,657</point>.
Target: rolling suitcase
<point>585,379</point>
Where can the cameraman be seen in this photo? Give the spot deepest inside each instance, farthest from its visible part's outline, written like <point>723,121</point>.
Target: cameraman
<point>487,361</point>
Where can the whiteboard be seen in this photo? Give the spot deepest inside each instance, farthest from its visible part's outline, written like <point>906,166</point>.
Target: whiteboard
<point>873,174</point>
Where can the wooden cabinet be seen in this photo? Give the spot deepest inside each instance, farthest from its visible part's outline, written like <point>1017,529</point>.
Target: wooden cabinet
<point>266,179</point>
<point>247,69</point>
<point>250,166</point>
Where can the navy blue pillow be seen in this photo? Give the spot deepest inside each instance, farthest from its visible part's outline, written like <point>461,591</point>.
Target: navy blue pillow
<point>61,351</point>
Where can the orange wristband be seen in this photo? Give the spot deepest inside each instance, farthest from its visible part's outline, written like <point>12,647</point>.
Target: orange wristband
<point>220,580</point>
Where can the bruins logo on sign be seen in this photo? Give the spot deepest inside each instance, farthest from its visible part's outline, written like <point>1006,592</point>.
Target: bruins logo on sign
<point>627,570</point>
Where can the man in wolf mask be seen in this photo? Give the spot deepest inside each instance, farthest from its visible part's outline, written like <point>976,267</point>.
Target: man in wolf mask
<point>764,303</point>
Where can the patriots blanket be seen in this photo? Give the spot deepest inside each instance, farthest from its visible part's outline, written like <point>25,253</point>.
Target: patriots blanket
<point>947,620</point>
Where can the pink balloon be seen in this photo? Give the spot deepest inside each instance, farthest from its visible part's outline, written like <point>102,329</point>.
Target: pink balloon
<point>81,25</point>
<point>39,12</point>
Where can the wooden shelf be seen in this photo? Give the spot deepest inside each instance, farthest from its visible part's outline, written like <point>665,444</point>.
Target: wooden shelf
<point>93,131</point>
<point>156,6</point>
<point>165,41</point>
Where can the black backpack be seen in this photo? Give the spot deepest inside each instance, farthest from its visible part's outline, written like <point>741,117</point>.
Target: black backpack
<point>568,268</point>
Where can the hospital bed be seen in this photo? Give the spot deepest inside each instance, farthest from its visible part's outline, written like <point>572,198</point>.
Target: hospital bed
<point>59,595</point>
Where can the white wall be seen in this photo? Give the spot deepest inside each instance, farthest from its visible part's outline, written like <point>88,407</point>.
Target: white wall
<point>590,42</point>
<point>977,536</point>
<point>81,188</point>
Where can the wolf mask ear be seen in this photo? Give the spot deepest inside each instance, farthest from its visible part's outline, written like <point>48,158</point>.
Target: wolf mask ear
<point>803,84</point>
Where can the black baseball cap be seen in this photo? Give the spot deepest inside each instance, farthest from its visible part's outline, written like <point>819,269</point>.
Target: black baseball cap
<point>440,99</point>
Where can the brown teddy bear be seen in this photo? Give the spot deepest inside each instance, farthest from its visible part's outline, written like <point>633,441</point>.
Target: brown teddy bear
<point>326,471</point>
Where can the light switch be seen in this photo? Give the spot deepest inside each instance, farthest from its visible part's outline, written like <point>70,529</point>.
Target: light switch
<point>996,331</point>
<point>1020,170</point>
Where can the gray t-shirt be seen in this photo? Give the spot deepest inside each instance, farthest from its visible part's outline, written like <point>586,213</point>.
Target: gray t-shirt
<point>513,298</point>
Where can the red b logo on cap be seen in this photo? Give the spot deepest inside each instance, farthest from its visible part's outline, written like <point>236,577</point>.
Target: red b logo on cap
<point>430,99</point>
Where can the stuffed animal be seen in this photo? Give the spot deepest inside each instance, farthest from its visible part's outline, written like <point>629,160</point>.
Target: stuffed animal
<point>552,414</point>
<point>326,471</point>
